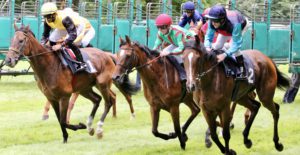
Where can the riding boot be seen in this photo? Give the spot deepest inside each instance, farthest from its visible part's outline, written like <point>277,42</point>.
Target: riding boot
<point>290,95</point>
<point>242,74</point>
<point>89,45</point>
<point>75,49</point>
<point>179,68</point>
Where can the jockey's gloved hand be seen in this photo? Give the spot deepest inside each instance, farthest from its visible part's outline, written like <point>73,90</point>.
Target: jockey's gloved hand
<point>44,41</point>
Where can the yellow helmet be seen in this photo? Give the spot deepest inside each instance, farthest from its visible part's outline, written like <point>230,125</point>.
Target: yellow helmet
<point>48,8</point>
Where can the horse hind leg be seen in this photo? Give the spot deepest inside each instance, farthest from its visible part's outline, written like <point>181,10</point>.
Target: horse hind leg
<point>110,100</point>
<point>96,99</point>
<point>267,101</point>
<point>252,106</point>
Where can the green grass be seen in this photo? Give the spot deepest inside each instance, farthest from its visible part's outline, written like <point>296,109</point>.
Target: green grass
<point>23,132</point>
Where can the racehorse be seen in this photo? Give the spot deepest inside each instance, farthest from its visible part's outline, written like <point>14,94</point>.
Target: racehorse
<point>214,90</point>
<point>57,82</point>
<point>161,84</point>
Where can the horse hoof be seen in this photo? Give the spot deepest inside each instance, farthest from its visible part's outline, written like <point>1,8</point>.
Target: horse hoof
<point>231,126</point>
<point>65,141</point>
<point>182,145</point>
<point>172,135</point>
<point>279,147</point>
<point>208,143</point>
<point>248,143</point>
<point>91,131</point>
<point>45,117</point>
<point>231,152</point>
<point>99,133</point>
<point>185,137</point>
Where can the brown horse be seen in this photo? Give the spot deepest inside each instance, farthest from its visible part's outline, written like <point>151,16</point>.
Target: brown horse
<point>214,90</point>
<point>161,83</point>
<point>57,82</point>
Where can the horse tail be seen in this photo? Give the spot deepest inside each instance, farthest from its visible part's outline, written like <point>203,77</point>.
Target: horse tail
<point>283,82</point>
<point>127,86</point>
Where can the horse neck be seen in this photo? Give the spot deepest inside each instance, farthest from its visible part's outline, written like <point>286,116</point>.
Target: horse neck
<point>152,73</point>
<point>212,77</point>
<point>44,65</point>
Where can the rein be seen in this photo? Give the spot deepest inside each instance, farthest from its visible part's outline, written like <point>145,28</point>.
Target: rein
<point>200,75</point>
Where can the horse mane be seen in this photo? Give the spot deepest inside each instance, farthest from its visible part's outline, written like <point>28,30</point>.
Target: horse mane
<point>199,47</point>
<point>150,53</point>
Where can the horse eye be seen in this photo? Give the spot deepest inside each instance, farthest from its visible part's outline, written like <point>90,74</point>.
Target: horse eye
<point>20,41</point>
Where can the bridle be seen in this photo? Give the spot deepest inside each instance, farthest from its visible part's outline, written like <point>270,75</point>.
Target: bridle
<point>20,51</point>
<point>133,57</point>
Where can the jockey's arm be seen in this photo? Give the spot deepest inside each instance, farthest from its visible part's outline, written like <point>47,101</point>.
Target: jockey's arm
<point>82,29</point>
<point>237,40</point>
<point>199,25</point>
<point>209,36</point>
<point>180,40</point>
<point>183,21</point>
<point>47,30</point>
<point>71,29</point>
<point>158,42</point>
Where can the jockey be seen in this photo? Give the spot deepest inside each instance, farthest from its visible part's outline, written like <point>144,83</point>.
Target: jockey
<point>175,36</point>
<point>227,24</point>
<point>191,16</point>
<point>66,23</point>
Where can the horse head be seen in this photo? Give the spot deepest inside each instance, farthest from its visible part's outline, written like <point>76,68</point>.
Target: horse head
<point>19,46</point>
<point>131,55</point>
<point>193,52</point>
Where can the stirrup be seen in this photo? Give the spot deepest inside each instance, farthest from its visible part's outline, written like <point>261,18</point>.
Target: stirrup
<point>81,67</point>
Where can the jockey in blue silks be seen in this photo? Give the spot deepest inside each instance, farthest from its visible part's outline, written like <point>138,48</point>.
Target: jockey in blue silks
<point>230,24</point>
<point>191,16</point>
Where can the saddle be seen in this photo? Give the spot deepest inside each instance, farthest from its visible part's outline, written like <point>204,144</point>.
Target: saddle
<point>69,59</point>
<point>231,69</point>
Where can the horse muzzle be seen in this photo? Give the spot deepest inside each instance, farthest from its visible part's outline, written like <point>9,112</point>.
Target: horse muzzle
<point>10,62</point>
<point>117,79</point>
<point>191,87</point>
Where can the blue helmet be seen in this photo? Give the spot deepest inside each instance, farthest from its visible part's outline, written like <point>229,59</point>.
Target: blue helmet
<point>216,12</point>
<point>189,5</point>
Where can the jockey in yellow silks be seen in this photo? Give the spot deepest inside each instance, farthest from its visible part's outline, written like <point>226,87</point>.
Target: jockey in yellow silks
<point>77,29</point>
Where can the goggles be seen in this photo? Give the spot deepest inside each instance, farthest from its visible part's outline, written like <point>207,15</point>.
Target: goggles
<point>162,27</point>
<point>189,11</point>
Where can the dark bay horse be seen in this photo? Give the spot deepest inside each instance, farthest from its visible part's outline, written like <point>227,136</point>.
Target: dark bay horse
<point>161,84</point>
<point>57,82</point>
<point>214,90</point>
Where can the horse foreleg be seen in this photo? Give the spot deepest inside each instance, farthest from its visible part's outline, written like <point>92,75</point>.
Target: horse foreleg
<point>114,105</point>
<point>176,122</point>
<point>56,109</point>
<point>194,112</point>
<point>129,101</point>
<point>226,118</point>
<point>155,119</point>
<point>211,121</point>
<point>63,108</point>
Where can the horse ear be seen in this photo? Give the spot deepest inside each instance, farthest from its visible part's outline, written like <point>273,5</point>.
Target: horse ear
<point>27,28</point>
<point>197,39</point>
<point>15,26</point>
<point>121,40</point>
<point>128,40</point>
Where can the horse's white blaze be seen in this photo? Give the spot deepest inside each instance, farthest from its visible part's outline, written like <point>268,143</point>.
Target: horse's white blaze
<point>190,57</point>
<point>122,52</point>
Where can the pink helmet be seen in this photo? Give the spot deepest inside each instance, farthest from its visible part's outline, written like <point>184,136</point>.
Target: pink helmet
<point>163,19</point>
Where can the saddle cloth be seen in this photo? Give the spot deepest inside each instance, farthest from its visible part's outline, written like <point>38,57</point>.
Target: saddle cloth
<point>68,59</point>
